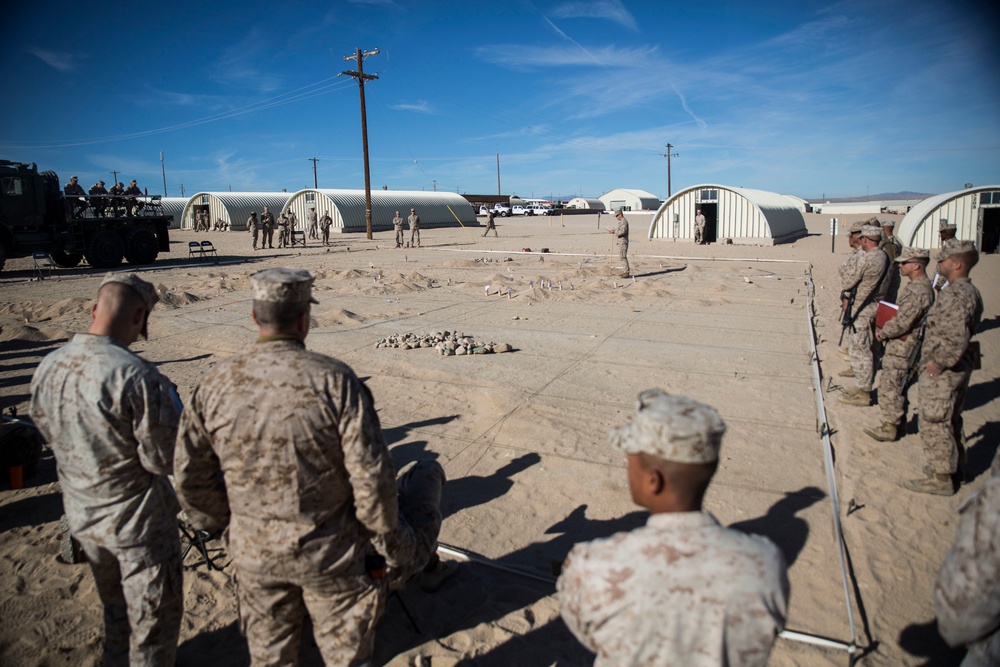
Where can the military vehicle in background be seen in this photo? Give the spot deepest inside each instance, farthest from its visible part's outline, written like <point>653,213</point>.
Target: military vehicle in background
<point>36,217</point>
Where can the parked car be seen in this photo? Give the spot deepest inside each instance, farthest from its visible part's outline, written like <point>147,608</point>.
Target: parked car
<point>501,209</point>
<point>537,209</point>
<point>483,210</point>
<point>518,210</point>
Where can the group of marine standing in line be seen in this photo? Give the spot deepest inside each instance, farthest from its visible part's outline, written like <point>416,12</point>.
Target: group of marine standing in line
<point>262,229</point>
<point>316,521</point>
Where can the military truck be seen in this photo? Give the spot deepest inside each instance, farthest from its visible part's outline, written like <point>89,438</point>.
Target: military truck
<point>36,217</point>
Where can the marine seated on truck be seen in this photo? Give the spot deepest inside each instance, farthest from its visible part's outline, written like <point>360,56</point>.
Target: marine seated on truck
<point>76,196</point>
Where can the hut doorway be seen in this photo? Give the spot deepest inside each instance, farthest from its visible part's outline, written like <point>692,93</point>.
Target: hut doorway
<point>711,213</point>
<point>990,239</point>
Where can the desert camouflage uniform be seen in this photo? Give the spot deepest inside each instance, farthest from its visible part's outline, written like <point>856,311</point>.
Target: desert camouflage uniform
<point>325,224</point>
<point>313,221</point>
<point>967,591</point>
<point>310,491</point>
<point>699,229</point>
<point>253,226</point>
<point>950,324</point>
<point>111,419</point>
<point>914,302</point>
<point>682,590</point>
<point>397,226</point>
<point>293,222</point>
<point>621,236</point>
<point>867,275</point>
<point>282,230</point>
<point>267,226</point>
<point>414,221</point>
<point>891,246</point>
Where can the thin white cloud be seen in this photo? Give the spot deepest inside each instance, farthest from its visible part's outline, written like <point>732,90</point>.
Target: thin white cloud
<point>64,62</point>
<point>419,107</point>
<point>518,56</point>
<point>238,64</point>
<point>610,10</point>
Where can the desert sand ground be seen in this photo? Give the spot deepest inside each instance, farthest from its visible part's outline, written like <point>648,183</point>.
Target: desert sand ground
<point>522,435</point>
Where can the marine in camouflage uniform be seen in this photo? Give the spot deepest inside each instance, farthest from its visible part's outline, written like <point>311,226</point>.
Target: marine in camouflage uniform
<point>682,590</point>
<point>900,337</point>
<point>293,222</point>
<point>325,224</point>
<point>967,590</point>
<point>282,230</point>
<point>891,246</point>
<point>949,361</point>
<point>414,221</point>
<point>868,275</point>
<point>397,226</point>
<point>111,419</point>
<point>253,226</point>
<point>267,226</point>
<point>621,239</point>
<point>313,222</point>
<point>309,489</point>
<point>854,241</point>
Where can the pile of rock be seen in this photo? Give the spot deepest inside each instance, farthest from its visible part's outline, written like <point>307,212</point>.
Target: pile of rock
<point>447,343</point>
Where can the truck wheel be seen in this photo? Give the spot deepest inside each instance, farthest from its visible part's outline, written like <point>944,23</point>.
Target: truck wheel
<point>66,260</point>
<point>105,249</point>
<point>141,247</point>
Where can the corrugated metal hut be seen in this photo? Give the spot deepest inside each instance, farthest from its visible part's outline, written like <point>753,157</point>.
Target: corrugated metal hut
<point>975,211</point>
<point>347,208</point>
<point>585,203</point>
<point>747,217</point>
<point>174,206</point>
<point>233,207</point>
<point>630,200</point>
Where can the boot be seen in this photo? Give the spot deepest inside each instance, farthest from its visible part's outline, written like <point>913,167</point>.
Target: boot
<point>436,573</point>
<point>849,373</point>
<point>936,484</point>
<point>884,432</point>
<point>855,396</point>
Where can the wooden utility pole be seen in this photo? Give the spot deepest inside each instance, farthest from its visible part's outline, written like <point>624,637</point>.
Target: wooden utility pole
<point>359,57</point>
<point>315,182</point>
<point>498,173</point>
<point>669,155</point>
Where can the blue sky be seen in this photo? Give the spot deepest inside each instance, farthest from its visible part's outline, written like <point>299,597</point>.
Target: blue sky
<point>578,97</point>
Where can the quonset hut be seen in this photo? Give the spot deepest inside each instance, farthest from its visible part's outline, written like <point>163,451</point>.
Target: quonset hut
<point>629,200</point>
<point>974,211</point>
<point>585,203</point>
<point>233,208</point>
<point>174,206</point>
<point>347,208</point>
<point>742,215</point>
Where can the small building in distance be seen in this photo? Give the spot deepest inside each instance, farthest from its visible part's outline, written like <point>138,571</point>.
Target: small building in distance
<point>629,200</point>
<point>585,203</point>
<point>975,211</point>
<point>740,215</point>
<point>233,208</point>
<point>347,208</point>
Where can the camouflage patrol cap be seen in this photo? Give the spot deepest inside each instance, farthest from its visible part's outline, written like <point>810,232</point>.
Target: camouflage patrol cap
<point>952,247</point>
<point>888,223</point>
<point>283,285</point>
<point>872,232</point>
<point>913,255</point>
<point>857,226</point>
<point>674,428</point>
<point>944,225</point>
<point>145,290</point>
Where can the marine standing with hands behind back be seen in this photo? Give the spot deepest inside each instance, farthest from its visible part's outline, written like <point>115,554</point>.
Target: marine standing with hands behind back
<point>111,418</point>
<point>949,358</point>
<point>414,221</point>
<point>682,590</point>
<point>314,511</point>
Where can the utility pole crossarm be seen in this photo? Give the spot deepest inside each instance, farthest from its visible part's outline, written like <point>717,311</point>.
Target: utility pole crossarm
<point>669,155</point>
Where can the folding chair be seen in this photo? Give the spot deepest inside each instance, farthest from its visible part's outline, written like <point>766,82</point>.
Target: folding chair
<point>208,249</point>
<point>43,265</point>
<point>194,248</point>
